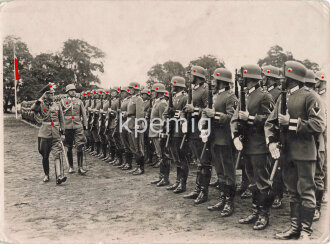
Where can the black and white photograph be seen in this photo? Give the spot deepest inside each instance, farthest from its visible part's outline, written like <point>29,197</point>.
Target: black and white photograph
<point>164,121</point>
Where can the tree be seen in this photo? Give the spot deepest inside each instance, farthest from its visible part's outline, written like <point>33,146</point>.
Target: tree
<point>83,62</point>
<point>163,73</point>
<point>24,59</point>
<point>277,57</point>
<point>208,62</point>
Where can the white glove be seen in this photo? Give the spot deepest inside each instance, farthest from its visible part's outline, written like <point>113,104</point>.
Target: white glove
<point>204,135</point>
<point>184,127</point>
<point>238,144</point>
<point>274,150</point>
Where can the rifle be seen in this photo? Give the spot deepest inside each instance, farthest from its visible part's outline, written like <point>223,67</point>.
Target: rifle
<point>282,129</point>
<point>241,124</point>
<point>101,116</point>
<point>204,127</point>
<point>171,124</point>
<point>108,115</point>
<point>118,113</point>
<point>236,83</point>
<point>93,115</point>
<point>188,115</point>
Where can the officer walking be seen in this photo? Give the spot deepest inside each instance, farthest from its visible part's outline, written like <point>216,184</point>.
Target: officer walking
<point>50,115</point>
<point>259,105</point>
<point>224,105</point>
<point>304,118</point>
<point>74,110</point>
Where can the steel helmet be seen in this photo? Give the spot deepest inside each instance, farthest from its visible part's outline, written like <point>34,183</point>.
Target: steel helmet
<point>126,89</point>
<point>166,93</point>
<point>310,77</point>
<point>107,91</point>
<point>295,70</point>
<point>252,71</point>
<point>100,91</point>
<point>320,75</point>
<point>178,81</point>
<point>88,93</point>
<point>223,75</point>
<point>198,71</point>
<point>115,88</point>
<point>134,85</point>
<point>271,71</point>
<point>70,87</point>
<point>146,91</point>
<point>158,87</point>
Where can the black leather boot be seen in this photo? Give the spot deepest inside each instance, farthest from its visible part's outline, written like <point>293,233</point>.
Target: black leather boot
<point>318,196</point>
<point>70,159</point>
<point>140,170</point>
<point>222,199</point>
<point>254,211</point>
<point>128,164</point>
<point>228,209</point>
<point>80,157</point>
<point>160,177</point>
<point>104,152</point>
<point>97,151</point>
<point>165,170</point>
<point>306,220</point>
<point>205,181</point>
<point>294,231</point>
<point>177,182</point>
<point>265,202</point>
<point>194,194</point>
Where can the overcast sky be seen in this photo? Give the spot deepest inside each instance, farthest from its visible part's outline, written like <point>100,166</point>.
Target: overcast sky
<point>138,34</point>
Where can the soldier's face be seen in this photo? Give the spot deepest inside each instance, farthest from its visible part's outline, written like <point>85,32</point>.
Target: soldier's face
<point>153,94</point>
<point>144,96</point>
<point>50,96</point>
<point>72,93</point>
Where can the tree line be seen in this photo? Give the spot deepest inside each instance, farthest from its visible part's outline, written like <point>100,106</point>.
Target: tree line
<point>79,62</point>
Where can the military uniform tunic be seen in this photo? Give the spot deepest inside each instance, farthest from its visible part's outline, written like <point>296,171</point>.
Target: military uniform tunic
<point>307,118</point>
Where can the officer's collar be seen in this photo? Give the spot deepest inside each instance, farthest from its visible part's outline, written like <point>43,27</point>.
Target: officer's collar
<point>322,91</point>
<point>292,90</point>
<point>253,89</point>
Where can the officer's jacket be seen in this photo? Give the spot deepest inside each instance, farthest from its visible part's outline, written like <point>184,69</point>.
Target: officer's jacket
<point>157,111</point>
<point>134,111</point>
<point>50,115</point>
<point>259,104</point>
<point>307,118</point>
<point>179,102</point>
<point>200,101</point>
<point>73,110</point>
<point>146,106</point>
<point>224,104</point>
<point>275,92</point>
<point>113,113</point>
<point>103,112</point>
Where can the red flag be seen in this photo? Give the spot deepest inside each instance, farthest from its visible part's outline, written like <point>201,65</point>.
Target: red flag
<point>16,69</point>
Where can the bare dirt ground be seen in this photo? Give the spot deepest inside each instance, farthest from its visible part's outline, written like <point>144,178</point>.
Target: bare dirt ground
<point>109,205</point>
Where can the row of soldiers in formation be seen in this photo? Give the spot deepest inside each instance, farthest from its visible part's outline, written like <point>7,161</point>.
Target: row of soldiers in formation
<point>277,120</point>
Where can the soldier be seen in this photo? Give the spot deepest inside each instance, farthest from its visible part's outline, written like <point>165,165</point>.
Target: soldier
<point>304,118</point>
<point>87,104</point>
<point>74,111</point>
<point>259,106</point>
<point>321,90</point>
<point>50,115</point>
<point>126,163</point>
<point>94,123</point>
<point>310,82</point>
<point>271,81</point>
<point>116,148</point>
<point>90,119</point>
<point>224,105</point>
<point>199,102</point>
<point>178,156</point>
<point>155,133</point>
<point>144,139</point>
<point>101,123</point>
<point>134,113</point>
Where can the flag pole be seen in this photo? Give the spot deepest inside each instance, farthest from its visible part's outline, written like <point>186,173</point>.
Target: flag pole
<point>15,81</point>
